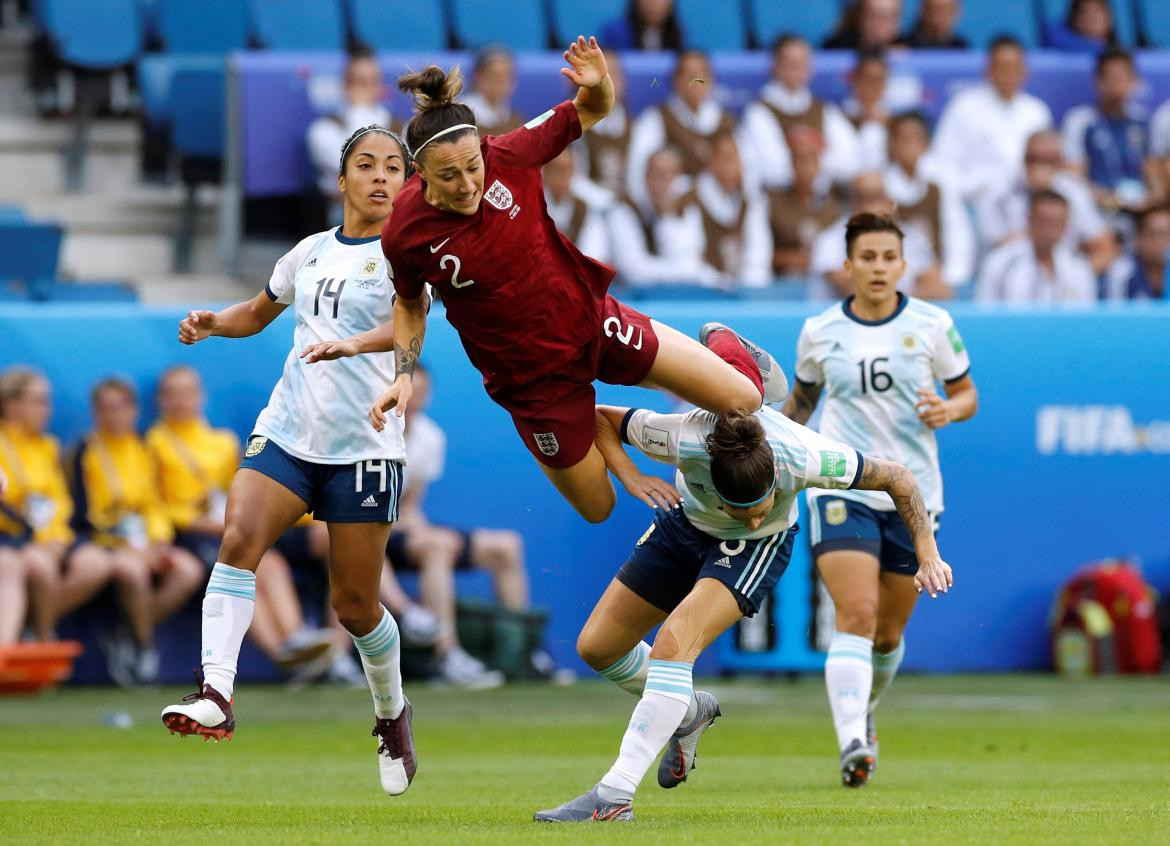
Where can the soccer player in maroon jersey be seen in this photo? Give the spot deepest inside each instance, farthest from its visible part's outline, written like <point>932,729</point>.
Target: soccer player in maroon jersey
<point>531,310</point>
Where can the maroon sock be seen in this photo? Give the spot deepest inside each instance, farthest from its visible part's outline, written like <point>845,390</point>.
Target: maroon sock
<point>724,344</point>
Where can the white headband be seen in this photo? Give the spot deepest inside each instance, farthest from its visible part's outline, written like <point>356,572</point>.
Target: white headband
<point>449,129</point>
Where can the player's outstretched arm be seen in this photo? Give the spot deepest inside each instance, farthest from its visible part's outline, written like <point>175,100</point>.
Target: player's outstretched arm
<point>934,574</point>
<point>238,321</point>
<point>651,490</point>
<point>410,322</point>
<point>588,71</point>
<point>801,402</point>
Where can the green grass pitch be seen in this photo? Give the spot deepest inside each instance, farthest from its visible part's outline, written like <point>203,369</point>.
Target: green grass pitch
<point>981,760</point>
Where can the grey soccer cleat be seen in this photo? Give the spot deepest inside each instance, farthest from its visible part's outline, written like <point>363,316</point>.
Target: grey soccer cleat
<point>771,373</point>
<point>871,739</point>
<point>679,758</point>
<point>857,763</point>
<point>588,807</point>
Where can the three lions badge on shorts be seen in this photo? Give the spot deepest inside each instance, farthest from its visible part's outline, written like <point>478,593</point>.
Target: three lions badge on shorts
<point>547,443</point>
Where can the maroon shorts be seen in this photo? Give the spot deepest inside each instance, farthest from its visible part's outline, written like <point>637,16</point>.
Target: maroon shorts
<point>555,414</point>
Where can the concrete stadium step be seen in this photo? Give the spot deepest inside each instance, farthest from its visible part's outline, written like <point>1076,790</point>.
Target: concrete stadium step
<point>128,256</point>
<point>192,290</point>
<point>137,209</point>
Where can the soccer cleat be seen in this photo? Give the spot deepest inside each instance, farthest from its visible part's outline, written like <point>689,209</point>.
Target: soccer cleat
<point>871,739</point>
<point>771,373</point>
<point>397,761</point>
<point>588,807</point>
<point>417,625</point>
<point>460,669</point>
<point>857,763</point>
<point>303,647</point>
<point>679,758</point>
<point>208,715</point>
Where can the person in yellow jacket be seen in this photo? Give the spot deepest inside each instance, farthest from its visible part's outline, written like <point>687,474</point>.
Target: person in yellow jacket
<point>41,565</point>
<point>117,506</point>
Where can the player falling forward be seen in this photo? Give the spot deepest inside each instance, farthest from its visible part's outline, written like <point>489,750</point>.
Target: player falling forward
<point>530,308</point>
<point>701,567</point>
<point>876,356</point>
<point>308,452</point>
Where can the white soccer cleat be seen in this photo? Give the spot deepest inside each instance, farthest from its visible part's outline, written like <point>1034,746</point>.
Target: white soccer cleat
<point>205,713</point>
<point>397,761</point>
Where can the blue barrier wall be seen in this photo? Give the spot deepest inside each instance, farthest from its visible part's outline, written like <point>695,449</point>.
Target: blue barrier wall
<point>1065,462</point>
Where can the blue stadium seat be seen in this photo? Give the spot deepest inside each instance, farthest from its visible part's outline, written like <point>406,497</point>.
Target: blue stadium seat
<point>571,18</point>
<point>981,23</point>
<point>202,26</point>
<point>813,21</point>
<point>398,24</point>
<point>94,34</point>
<point>155,74</point>
<point>712,24</point>
<point>1124,17</point>
<point>198,126</point>
<point>299,24</point>
<point>11,214</point>
<point>29,250</point>
<point>518,23</point>
<point>52,290</point>
<point>1155,22</point>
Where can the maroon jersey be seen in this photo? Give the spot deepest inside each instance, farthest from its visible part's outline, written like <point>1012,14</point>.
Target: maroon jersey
<point>525,301</point>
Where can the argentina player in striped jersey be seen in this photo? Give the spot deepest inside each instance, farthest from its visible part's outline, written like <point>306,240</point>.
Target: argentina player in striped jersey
<point>312,450</point>
<point>876,358</point>
<point>706,563</point>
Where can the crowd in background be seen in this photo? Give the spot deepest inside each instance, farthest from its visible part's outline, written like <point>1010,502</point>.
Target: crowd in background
<point>998,201</point>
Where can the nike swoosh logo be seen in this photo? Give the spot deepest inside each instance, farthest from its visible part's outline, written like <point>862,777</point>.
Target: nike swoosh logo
<point>439,245</point>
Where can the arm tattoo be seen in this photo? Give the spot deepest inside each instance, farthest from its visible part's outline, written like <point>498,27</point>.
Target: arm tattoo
<point>897,481</point>
<point>801,402</point>
<point>406,359</point>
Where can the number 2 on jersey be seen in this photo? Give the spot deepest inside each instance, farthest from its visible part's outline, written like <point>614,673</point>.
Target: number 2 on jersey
<point>452,259</point>
<point>879,380</point>
<point>325,288</point>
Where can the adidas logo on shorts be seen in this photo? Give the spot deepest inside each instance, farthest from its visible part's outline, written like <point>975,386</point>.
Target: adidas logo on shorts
<point>724,562</point>
<point>370,502</point>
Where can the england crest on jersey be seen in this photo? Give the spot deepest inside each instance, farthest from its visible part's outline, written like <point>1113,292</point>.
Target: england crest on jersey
<point>547,443</point>
<point>498,196</point>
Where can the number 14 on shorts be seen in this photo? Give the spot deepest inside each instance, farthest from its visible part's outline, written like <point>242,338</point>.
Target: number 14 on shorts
<point>374,467</point>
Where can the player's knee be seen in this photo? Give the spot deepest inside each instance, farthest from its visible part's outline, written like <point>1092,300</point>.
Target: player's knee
<point>886,639</point>
<point>857,616</point>
<point>357,614</point>
<point>594,652</point>
<point>597,511</point>
<point>238,548</point>
<point>666,646</point>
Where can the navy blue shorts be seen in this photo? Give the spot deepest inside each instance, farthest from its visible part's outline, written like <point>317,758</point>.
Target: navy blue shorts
<point>363,492</point>
<point>673,555</point>
<point>839,523</point>
<point>400,559</point>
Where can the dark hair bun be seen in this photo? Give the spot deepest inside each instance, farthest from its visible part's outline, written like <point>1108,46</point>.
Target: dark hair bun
<point>735,435</point>
<point>432,88</point>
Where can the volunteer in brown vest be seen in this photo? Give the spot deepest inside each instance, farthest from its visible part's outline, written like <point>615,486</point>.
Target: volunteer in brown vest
<point>865,108</point>
<point>576,205</point>
<point>786,102</point>
<point>607,144</point>
<point>797,213</point>
<point>493,82</point>
<point>686,121</point>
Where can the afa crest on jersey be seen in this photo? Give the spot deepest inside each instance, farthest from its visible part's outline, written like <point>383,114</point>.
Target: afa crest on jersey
<point>547,443</point>
<point>498,196</point>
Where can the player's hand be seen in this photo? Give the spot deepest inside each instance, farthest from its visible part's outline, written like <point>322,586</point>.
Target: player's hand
<point>329,350</point>
<point>932,409</point>
<point>397,396</point>
<point>933,576</point>
<point>587,65</point>
<point>196,326</point>
<point>652,490</point>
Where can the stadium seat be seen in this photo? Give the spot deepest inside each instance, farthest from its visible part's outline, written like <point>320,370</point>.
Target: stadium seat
<point>202,26</point>
<point>518,23</point>
<point>299,24</point>
<point>156,72</point>
<point>712,24</point>
<point>52,290</point>
<point>993,18</point>
<point>571,18</point>
<point>29,250</point>
<point>11,214</point>
<point>199,125</point>
<point>1155,22</point>
<point>1124,18</point>
<point>398,24</point>
<point>811,20</point>
<point>94,34</point>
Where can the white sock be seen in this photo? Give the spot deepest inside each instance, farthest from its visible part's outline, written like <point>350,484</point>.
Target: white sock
<point>227,613</point>
<point>848,678</point>
<point>669,690</point>
<point>885,667</point>
<point>629,672</point>
<point>379,651</point>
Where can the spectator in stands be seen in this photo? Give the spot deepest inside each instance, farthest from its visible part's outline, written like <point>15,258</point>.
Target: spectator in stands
<point>935,27</point>
<point>1110,142</point>
<point>43,564</point>
<point>1040,268</point>
<point>926,200</point>
<point>866,108</point>
<point>923,276</point>
<point>1003,215</point>
<point>867,24</point>
<point>1087,28</point>
<point>737,242</point>
<point>576,205</point>
<point>605,148</point>
<point>195,464</point>
<point>982,132</point>
<point>687,121</point>
<point>655,241</point>
<point>363,106</point>
<point>647,25</point>
<point>785,102</point>
<point>798,212</point>
<point>493,81</point>
<point>1141,274</point>
<point>1159,171</point>
<point>117,506</point>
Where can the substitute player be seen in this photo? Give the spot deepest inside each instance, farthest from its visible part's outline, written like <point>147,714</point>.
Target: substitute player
<point>701,567</point>
<point>531,310</point>
<point>877,357</point>
<point>313,450</point>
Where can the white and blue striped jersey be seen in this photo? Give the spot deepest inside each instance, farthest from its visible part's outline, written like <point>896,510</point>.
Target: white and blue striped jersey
<point>803,459</point>
<point>871,372</point>
<point>338,286</point>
